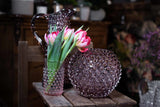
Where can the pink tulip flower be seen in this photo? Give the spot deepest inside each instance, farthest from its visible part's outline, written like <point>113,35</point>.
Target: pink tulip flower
<point>51,37</point>
<point>67,33</point>
<point>82,40</point>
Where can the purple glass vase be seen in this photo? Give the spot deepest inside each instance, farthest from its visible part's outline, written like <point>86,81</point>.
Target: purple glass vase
<point>56,87</point>
<point>94,73</point>
<point>60,19</point>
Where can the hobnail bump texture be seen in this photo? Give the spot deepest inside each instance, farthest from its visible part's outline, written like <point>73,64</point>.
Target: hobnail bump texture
<point>57,86</point>
<point>94,73</point>
<point>60,19</point>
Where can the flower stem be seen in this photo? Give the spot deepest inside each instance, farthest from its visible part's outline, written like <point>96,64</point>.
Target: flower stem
<point>50,81</point>
<point>70,49</point>
<point>64,43</point>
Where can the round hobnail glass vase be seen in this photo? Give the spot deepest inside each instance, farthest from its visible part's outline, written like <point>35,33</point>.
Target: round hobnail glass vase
<point>56,88</point>
<point>94,73</point>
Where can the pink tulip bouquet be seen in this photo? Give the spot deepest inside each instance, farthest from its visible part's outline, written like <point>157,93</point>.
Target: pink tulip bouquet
<point>60,44</point>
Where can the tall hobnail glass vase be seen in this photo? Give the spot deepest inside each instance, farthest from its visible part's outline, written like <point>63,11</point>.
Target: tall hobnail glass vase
<point>56,88</point>
<point>60,19</point>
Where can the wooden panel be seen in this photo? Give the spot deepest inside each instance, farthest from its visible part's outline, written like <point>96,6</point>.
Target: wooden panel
<point>35,74</point>
<point>133,12</point>
<point>7,62</point>
<point>121,99</point>
<point>26,76</point>
<point>35,54</point>
<point>78,100</point>
<point>103,102</point>
<point>52,101</point>
<point>22,75</point>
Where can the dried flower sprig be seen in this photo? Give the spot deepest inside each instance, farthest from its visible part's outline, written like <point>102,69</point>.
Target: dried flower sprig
<point>146,56</point>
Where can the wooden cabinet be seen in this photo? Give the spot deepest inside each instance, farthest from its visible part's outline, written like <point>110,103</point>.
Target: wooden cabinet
<point>129,12</point>
<point>6,61</point>
<point>97,30</point>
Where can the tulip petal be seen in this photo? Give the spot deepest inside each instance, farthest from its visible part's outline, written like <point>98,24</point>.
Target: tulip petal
<point>67,33</point>
<point>50,38</point>
<point>83,49</point>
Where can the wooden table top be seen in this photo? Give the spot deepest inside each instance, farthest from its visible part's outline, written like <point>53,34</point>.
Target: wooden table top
<point>70,98</point>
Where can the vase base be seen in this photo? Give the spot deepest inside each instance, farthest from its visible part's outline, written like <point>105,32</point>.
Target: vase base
<point>53,93</point>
